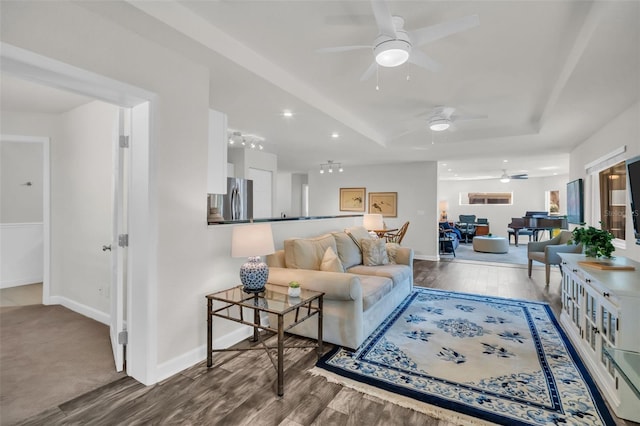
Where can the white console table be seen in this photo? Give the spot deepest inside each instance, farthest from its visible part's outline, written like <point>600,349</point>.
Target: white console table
<point>601,315</point>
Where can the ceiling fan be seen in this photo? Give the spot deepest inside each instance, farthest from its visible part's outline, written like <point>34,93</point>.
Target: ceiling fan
<point>505,178</point>
<point>394,45</point>
<point>442,118</point>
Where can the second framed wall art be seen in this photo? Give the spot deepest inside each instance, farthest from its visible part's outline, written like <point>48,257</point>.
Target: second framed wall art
<point>385,203</point>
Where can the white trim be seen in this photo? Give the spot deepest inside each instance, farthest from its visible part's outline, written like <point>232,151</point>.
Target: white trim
<point>22,281</point>
<point>199,354</point>
<point>605,161</point>
<point>426,257</point>
<point>85,310</point>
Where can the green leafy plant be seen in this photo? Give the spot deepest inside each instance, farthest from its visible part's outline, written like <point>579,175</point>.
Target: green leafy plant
<point>596,242</point>
<point>294,284</point>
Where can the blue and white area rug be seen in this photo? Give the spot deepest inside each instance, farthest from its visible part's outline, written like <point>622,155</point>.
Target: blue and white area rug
<point>479,359</point>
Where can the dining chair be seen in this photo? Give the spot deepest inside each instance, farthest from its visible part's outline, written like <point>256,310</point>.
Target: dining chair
<point>396,237</point>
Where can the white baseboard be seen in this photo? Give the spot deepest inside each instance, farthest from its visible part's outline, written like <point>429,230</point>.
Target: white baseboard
<point>85,310</point>
<point>22,281</point>
<point>425,257</point>
<point>199,354</point>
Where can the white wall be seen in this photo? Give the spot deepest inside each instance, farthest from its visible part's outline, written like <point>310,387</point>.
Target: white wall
<point>285,194</point>
<point>81,210</point>
<point>415,183</point>
<point>528,194</point>
<point>20,162</point>
<point>623,130</point>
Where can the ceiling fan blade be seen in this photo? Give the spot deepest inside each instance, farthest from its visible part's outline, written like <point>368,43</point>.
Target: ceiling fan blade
<point>521,176</point>
<point>466,117</point>
<point>383,18</point>
<point>438,31</point>
<point>420,59</point>
<point>341,48</point>
<point>369,72</point>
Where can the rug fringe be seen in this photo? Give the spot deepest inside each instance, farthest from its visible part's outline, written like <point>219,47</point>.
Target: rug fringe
<point>402,401</point>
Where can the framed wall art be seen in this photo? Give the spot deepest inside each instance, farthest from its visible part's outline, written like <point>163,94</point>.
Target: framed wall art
<point>385,203</point>
<point>352,199</point>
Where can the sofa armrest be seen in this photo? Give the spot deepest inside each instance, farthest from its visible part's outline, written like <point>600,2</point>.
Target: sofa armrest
<point>335,285</point>
<point>404,256</point>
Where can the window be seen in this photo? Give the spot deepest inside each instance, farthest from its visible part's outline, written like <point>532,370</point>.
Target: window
<point>613,193</point>
<point>486,198</point>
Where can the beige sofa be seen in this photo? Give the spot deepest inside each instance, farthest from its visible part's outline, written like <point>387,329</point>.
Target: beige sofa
<point>358,297</point>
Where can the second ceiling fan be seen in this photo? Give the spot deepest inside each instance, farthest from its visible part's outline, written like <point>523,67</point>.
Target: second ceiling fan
<point>394,45</point>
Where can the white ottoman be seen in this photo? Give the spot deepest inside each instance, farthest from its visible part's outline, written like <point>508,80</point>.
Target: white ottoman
<point>487,244</point>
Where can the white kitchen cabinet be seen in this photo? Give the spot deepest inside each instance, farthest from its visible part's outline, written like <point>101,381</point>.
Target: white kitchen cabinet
<point>601,310</point>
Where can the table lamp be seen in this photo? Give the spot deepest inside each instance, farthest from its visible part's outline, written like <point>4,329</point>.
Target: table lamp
<point>252,241</point>
<point>444,206</point>
<point>373,222</point>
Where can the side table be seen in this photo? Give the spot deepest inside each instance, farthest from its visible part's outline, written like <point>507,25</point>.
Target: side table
<point>230,306</point>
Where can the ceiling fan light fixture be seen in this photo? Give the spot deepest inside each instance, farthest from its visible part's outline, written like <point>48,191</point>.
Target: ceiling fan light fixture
<point>439,124</point>
<point>392,53</point>
<point>505,177</point>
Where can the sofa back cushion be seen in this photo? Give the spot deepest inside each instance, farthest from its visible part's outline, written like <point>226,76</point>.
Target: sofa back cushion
<point>347,250</point>
<point>307,253</point>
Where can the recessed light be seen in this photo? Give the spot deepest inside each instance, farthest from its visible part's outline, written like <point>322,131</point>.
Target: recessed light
<point>335,135</point>
<point>287,113</point>
<point>449,170</point>
<point>444,164</point>
<point>505,161</point>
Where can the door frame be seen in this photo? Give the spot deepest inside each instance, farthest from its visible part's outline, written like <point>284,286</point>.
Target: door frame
<point>143,224</point>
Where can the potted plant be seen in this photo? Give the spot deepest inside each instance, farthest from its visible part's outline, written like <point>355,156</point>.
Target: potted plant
<point>294,289</point>
<point>596,242</point>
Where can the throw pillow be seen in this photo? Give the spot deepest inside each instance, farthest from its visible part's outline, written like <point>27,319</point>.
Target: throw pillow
<point>392,251</point>
<point>374,252</point>
<point>331,262</point>
<point>358,233</point>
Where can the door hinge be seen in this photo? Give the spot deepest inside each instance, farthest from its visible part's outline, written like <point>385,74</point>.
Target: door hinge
<point>123,337</point>
<point>123,240</point>
<point>124,141</point>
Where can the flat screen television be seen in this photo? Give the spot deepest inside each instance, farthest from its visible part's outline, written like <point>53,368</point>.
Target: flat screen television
<point>575,202</point>
<point>633,177</point>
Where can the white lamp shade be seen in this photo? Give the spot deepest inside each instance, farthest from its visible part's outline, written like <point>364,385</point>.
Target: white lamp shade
<point>443,204</point>
<point>252,240</point>
<point>373,221</point>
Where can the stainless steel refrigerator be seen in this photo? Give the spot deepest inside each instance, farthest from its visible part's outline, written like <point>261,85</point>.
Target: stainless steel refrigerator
<point>236,204</point>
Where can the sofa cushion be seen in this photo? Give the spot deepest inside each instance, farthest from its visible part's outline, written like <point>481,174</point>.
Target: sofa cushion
<point>374,289</point>
<point>307,253</point>
<point>347,250</point>
<point>398,273</point>
<point>331,261</point>
<point>374,252</point>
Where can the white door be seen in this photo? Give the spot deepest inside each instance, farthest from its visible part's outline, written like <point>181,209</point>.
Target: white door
<point>120,236</point>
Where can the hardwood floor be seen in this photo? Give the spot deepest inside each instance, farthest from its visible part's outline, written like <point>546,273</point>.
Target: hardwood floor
<point>240,389</point>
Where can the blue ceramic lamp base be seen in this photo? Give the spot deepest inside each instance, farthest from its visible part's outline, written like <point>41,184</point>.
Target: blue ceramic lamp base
<point>254,274</point>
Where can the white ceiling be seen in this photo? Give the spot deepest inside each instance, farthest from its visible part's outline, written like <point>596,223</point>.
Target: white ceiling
<point>547,74</point>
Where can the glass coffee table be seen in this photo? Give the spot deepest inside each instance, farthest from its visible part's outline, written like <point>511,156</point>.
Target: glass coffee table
<point>236,305</point>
